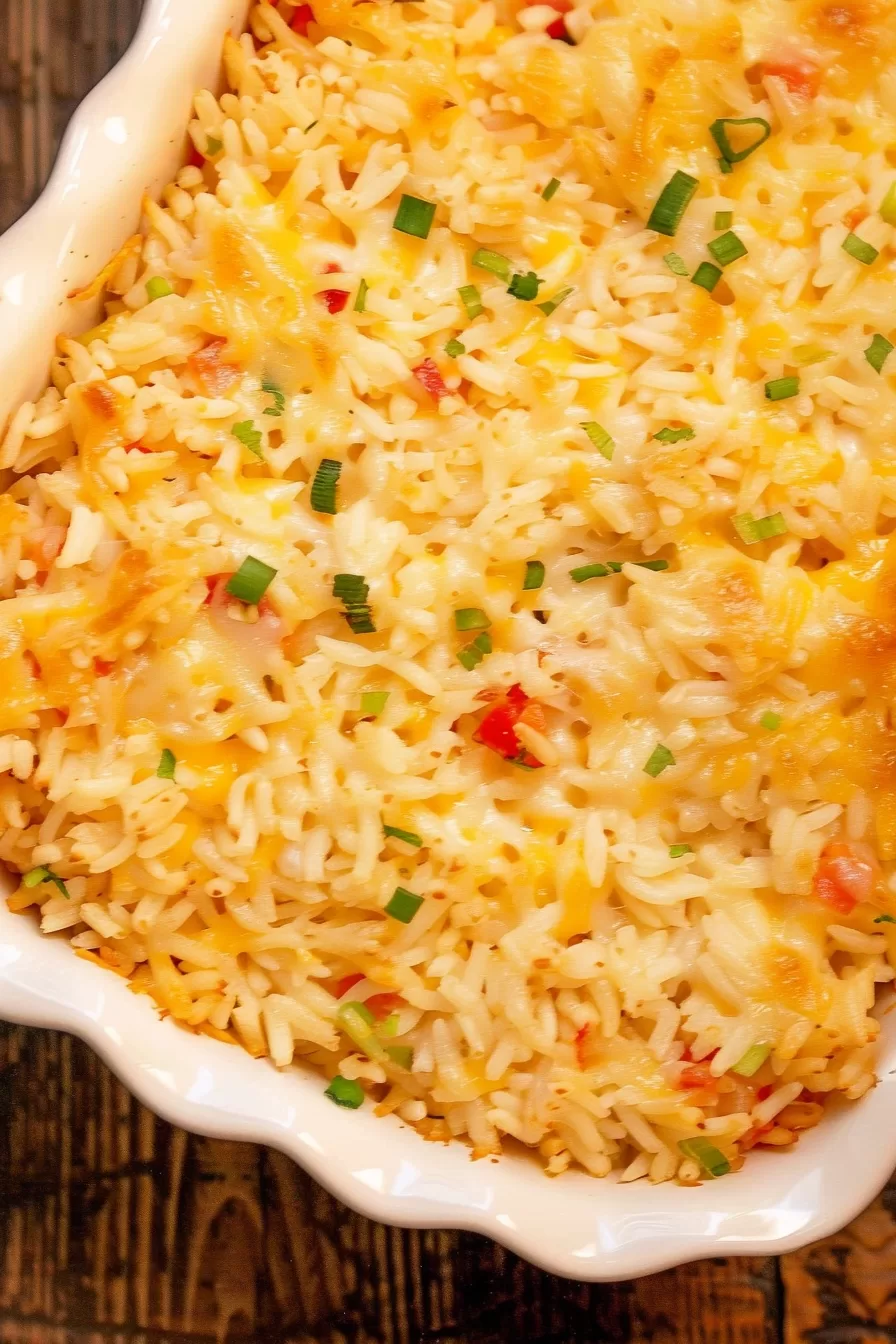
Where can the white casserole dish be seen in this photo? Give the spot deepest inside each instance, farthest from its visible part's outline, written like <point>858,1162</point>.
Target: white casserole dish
<point>128,136</point>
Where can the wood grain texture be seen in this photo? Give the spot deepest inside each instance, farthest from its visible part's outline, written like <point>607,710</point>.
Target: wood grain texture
<point>116,1228</point>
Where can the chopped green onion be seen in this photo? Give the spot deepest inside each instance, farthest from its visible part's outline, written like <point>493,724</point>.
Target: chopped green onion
<point>551,189</point>
<point>810,354</point>
<point>251,581</point>
<point>549,305</point>
<point>713,1162</point>
<point>359,1010</point>
<point>706,276</point>
<point>323,487</point>
<point>345,1092</point>
<point>770,720</point>
<point>725,166</point>
<point>274,391</point>
<point>483,642</point>
<point>657,565</point>
<point>722,219</point>
<point>726,249</point>
<point>752,1061</point>
<point>409,837</point>
<point>158,288</point>
<point>471,618</point>
<point>884,919</point>
<point>585,572</point>
<point>719,133</point>
<point>534,575</point>
<point>404,905</point>
<point>779,389</point>
<point>455,348</point>
<point>361,298</point>
<point>38,875</point>
<point>675,264</point>
<point>471,655</point>
<point>373,702</point>
<point>213,146</point>
<point>351,587</point>
<point>877,351</point>
<point>414,216</point>
<point>358,1023</point>
<point>888,205</point>
<point>670,205</point>
<point>750,529</point>
<point>167,762</point>
<point>600,438</point>
<point>472,300</point>
<point>402,1055</point>
<point>670,435</point>
<point>525,286</point>
<point>859,249</point>
<point>249,436</point>
<point>357,613</point>
<point>677,851</point>
<point>492,261</point>
<point>660,758</point>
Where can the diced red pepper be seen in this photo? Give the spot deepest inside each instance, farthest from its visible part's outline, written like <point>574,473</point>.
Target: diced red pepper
<point>102,667</point>
<point>843,877</point>
<point>697,1075</point>
<point>765,1091</point>
<point>496,731</point>
<point>215,584</point>
<point>802,76</point>
<point>346,983</point>
<point>195,159</point>
<point>137,448</point>
<point>211,372</point>
<point>332,268</point>
<point>559,31</point>
<point>430,379</point>
<point>853,218</point>
<point>301,19</point>
<point>381,1005</point>
<point>334,300</point>
<point>754,1136</point>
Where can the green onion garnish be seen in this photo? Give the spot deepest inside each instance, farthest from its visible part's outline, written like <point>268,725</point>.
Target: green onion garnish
<point>525,286</point>
<point>725,166</point>
<point>345,1092</point>
<point>884,919</point>
<point>38,875</point>
<point>669,435</point>
<point>660,758</point>
<point>534,575</point>
<point>713,1162</point>
<point>167,762</point>
<point>402,1055</point>
<point>677,851</point>
<point>670,205</point>
<point>404,905</point>
<point>352,591</point>
<point>471,299</point>
<point>726,249</point>
<point>414,216</point>
<point>373,702</point>
<point>492,261</point>
<point>719,133</point>
<point>859,249</point>
<point>471,655</point>
<point>249,436</point>
<point>409,837</point>
<point>551,189</point>
<point>675,264</point>
<point>600,438</point>
<point>251,581</point>
<point>471,618</point>
<point>706,276</point>
<point>770,720</point>
<point>550,304</point>
<point>779,389</point>
<point>810,354</point>
<point>158,288</point>
<point>358,1023</point>
<point>350,587</point>
<point>752,1061</point>
<point>455,348</point>
<point>213,146</point>
<point>877,351</point>
<point>585,572</point>
<point>600,571</point>
<point>888,205</point>
<point>750,529</point>
<point>361,297</point>
<point>272,390</point>
<point>722,219</point>
<point>323,487</point>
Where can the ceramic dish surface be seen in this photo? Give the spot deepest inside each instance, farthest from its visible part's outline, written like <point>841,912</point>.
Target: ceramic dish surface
<point>127,138</point>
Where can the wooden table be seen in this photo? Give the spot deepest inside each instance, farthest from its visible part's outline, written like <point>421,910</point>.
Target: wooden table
<point>116,1228</point>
